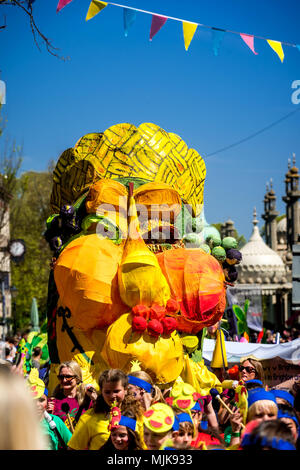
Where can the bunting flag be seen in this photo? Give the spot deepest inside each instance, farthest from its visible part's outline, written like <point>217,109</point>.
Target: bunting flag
<point>157,24</point>
<point>95,7</point>
<point>277,47</point>
<point>189,30</point>
<point>189,27</point>
<point>249,40</point>
<point>129,18</point>
<point>217,35</point>
<point>61,4</point>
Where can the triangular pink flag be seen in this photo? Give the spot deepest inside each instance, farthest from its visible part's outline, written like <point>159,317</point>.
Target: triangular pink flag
<point>62,4</point>
<point>249,40</point>
<point>156,25</point>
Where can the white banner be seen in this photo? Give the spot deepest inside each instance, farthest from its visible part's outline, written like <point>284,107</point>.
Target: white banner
<point>238,295</point>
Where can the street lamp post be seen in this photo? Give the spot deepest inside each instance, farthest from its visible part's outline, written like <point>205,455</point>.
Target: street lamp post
<point>3,309</point>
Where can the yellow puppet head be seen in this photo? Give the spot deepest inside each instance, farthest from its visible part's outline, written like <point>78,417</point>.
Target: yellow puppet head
<point>35,384</point>
<point>159,418</point>
<point>183,396</point>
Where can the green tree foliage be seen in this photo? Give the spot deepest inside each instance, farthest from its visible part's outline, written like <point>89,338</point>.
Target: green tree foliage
<point>29,210</point>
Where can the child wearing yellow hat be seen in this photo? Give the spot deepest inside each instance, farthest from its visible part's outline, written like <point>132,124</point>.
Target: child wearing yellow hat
<point>158,423</point>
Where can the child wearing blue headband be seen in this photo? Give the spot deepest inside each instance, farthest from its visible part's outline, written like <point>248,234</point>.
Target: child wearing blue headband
<point>183,430</point>
<point>283,397</point>
<point>262,405</point>
<point>290,419</point>
<point>123,429</point>
<point>141,386</point>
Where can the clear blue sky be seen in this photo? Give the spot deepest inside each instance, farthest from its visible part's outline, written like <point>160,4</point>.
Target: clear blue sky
<point>211,102</point>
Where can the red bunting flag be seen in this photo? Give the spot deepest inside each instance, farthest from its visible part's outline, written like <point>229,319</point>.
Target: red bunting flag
<point>62,4</point>
<point>249,40</point>
<point>156,25</point>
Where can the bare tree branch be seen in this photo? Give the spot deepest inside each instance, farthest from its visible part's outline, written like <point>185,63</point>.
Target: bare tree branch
<point>26,7</point>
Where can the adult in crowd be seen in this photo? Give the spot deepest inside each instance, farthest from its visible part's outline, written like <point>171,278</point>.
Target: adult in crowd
<point>71,398</point>
<point>19,423</point>
<point>251,369</point>
<point>36,357</point>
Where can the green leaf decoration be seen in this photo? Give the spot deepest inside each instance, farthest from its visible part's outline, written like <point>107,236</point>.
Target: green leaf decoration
<point>241,316</point>
<point>246,306</point>
<point>239,313</point>
<point>197,356</point>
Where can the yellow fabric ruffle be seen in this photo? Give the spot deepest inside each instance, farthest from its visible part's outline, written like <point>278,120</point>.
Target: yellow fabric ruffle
<point>198,375</point>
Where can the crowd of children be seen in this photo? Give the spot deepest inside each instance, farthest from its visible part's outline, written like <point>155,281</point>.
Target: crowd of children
<point>130,412</point>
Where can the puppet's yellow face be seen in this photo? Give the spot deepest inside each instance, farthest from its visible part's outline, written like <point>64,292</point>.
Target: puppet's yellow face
<point>126,285</point>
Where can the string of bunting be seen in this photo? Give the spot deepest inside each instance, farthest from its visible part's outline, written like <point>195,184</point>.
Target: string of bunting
<point>189,27</point>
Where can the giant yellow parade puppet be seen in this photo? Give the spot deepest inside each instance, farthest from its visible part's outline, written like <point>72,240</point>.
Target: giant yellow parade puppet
<point>124,287</point>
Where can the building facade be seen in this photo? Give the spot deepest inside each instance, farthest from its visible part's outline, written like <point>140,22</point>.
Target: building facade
<point>268,264</point>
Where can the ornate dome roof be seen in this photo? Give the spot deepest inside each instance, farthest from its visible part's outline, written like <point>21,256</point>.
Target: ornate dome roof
<point>260,264</point>
<point>281,225</point>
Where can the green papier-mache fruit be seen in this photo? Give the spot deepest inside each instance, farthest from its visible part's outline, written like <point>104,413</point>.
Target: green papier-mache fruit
<point>205,248</point>
<point>219,253</point>
<point>213,241</point>
<point>228,243</point>
<point>192,239</point>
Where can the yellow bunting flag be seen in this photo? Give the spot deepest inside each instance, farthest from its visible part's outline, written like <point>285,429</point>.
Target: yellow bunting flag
<point>95,7</point>
<point>189,30</point>
<point>276,45</point>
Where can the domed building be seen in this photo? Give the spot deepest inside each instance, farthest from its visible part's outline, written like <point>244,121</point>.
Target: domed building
<point>261,264</point>
<point>263,270</point>
<point>269,274</point>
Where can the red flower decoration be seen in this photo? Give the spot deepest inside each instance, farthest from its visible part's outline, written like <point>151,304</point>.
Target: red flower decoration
<point>141,311</point>
<point>157,312</point>
<point>169,401</point>
<point>155,328</point>
<point>234,372</point>
<point>139,324</point>
<point>196,396</point>
<point>169,324</point>
<point>172,306</point>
